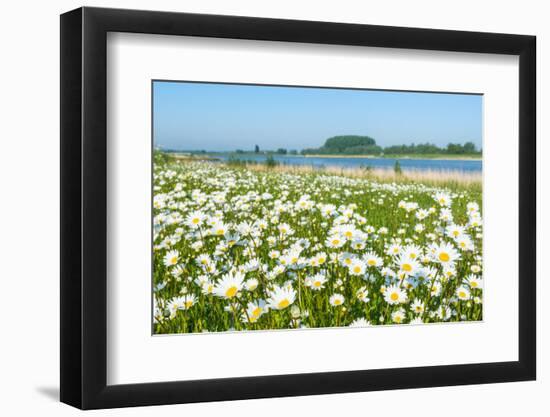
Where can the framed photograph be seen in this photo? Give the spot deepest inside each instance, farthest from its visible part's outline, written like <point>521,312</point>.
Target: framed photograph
<point>256,208</point>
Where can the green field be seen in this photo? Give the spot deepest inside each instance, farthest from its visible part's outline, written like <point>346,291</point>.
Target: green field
<point>241,249</point>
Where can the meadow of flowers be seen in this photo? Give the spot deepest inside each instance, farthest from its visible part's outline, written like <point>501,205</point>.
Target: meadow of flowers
<point>236,249</point>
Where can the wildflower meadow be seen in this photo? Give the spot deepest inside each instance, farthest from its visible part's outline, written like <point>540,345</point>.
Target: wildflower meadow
<point>236,249</point>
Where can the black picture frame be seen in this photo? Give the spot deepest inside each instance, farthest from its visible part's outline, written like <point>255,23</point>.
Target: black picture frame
<point>84,207</point>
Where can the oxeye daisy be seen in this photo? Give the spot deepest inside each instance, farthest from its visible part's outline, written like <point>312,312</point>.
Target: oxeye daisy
<point>472,207</point>
<point>416,320</point>
<point>229,286</point>
<point>316,282</point>
<point>195,219</point>
<point>284,229</point>
<point>464,242</point>
<point>232,238</point>
<point>443,199</point>
<point>348,231</point>
<point>463,293</point>
<point>360,322</point>
<point>346,258</point>
<point>407,266</point>
<point>358,245</point>
<point>254,310</point>
<point>444,313</point>
<point>251,284</point>
<point>207,287</point>
<point>474,282</point>
<point>372,259</point>
<point>335,241</point>
<point>219,229</point>
<point>188,301</point>
<point>445,254</point>
<point>454,231</point>
<point>336,300</point>
<point>177,271</point>
<point>398,316</point>
<point>395,295</point>
<point>412,252</point>
<point>281,297</point>
<point>171,258</point>
<point>321,258</point>
<point>394,249</point>
<point>446,215</point>
<point>357,267</point>
<point>362,294</point>
<point>417,306</point>
<point>435,289</point>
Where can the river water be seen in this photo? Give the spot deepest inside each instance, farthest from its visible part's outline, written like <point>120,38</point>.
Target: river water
<point>406,164</point>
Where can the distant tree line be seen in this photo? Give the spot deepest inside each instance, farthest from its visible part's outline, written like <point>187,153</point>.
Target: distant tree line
<point>279,151</point>
<point>469,148</point>
<point>346,145</point>
<point>365,145</point>
<point>362,145</point>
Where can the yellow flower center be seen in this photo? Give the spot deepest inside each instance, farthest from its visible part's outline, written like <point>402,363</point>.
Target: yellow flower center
<point>473,284</point>
<point>283,304</point>
<point>349,234</point>
<point>173,260</point>
<point>462,294</point>
<point>444,257</point>
<point>317,284</point>
<point>407,267</point>
<point>188,304</point>
<point>337,302</point>
<point>347,261</point>
<point>195,220</point>
<point>397,319</point>
<point>256,312</point>
<point>456,233</point>
<point>231,291</point>
<point>220,232</point>
<point>371,262</point>
<point>394,296</point>
<point>335,242</point>
<point>321,260</point>
<point>357,269</point>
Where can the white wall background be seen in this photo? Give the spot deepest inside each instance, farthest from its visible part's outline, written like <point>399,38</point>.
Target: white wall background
<point>29,213</point>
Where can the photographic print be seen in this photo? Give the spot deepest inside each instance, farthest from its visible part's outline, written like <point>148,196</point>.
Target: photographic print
<point>286,207</point>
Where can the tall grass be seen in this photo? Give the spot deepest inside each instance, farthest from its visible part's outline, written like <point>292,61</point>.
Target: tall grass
<point>453,179</point>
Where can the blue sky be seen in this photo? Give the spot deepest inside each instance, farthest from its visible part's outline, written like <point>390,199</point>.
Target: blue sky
<point>221,117</point>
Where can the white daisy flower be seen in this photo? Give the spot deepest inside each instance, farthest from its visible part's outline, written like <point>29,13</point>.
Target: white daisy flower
<point>229,286</point>
<point>336,300</point>
<point>281,297</point>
